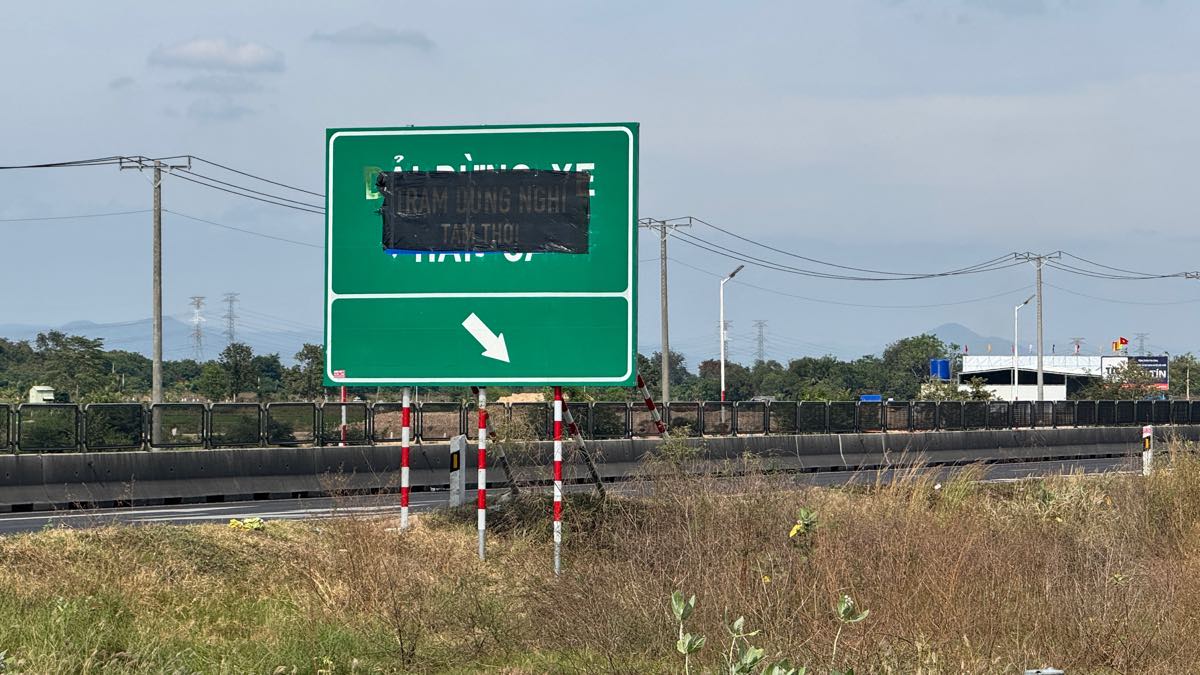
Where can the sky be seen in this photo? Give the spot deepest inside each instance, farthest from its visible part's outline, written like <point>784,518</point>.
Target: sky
<point>896,135</point>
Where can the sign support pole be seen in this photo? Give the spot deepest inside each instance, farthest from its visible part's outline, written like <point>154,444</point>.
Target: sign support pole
<point>658,421</point>
<point>405,433</point>
<point>558,478</point>
<point>482,476</point>
<point>502,456</point>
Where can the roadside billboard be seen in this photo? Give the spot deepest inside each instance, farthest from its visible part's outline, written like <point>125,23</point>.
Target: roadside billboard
<point>1156,366</point>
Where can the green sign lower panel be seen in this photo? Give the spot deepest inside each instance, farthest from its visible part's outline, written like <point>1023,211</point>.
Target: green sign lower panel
<point>481,340</point>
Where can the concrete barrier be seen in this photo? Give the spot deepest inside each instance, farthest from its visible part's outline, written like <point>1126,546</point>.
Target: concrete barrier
<point>35,482</point>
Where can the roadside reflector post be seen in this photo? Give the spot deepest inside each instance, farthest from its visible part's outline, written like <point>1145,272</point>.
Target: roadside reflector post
<point>481,481</point>
<point>344,428</point>
<point>558,478</point>
<point>458,474</point>
<point>1147,450</point>
<point>405,437</point>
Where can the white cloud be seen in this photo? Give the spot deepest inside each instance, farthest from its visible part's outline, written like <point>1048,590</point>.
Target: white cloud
<point>221,54</point>
<point>372,35</point>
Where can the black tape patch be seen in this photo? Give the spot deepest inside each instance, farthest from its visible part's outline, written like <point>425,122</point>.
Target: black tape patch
<point>530,211</point>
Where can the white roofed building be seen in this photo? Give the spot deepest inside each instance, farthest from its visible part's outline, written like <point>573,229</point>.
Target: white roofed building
<point>1062,375</point>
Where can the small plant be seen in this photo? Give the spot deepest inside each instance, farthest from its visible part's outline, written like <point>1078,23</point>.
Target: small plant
<point>802,530</point>
<point>742,657</point>
<point>806,522</point>
<point>687,644</point>
<point>847,613</point>
<point>252,524</point>
<point>678,450</point>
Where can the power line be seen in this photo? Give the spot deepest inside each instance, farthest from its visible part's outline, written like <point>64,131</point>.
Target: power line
<point>1121,302</point>
<point>1115,269</point>
<point>1000,263</point>
<point>98,161</point>
<point>855,304</point>
<point>256,177</point>
<point>243,231</point>
<point>808,259</point>
<point>73,217</point>
<point>257,192</point>
<point>249,196</point>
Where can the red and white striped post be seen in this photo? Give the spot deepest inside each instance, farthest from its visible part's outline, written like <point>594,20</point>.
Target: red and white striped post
<point>405,437</point>
<point>658,421</point>
<point>482,479</point>
<point>558,478</point>
<point>501,457</point>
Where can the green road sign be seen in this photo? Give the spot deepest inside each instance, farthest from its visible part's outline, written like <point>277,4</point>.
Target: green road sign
<point>496,318</point>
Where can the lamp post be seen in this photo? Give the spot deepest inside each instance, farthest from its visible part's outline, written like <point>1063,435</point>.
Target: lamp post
<point>1016,346</point>
<point>722,327</point>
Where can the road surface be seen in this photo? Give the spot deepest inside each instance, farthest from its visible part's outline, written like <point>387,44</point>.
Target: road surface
<point>382,505</point>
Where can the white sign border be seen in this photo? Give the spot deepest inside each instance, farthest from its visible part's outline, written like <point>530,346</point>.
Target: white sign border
<point>331,296</point>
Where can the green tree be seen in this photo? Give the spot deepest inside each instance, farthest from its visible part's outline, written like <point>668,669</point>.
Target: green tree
<point>130,371</point>
<point>182,373</point>
<point>1184,375</point>
<point>73,364</point>
<point>306,379</point>
<point>268,374</point>
<point>906,364</point>
<point>1128,381</point>
<point>237,360</point>
<point>213,382</point>
<point>950,391</point>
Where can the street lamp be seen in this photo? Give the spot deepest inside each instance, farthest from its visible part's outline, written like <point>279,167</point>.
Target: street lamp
<point>1016,347</point>
<point>722,327</point>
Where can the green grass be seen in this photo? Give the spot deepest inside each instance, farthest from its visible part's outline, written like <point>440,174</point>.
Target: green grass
<point>1090,574</point>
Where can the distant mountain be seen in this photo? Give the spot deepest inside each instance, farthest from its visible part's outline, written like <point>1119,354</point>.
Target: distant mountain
<point>136,336</point>
<point>956,333</point>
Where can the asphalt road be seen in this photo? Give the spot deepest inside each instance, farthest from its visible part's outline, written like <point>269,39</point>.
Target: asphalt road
<point>382,505</point>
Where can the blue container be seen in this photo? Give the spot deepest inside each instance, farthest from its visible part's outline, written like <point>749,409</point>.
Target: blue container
<point>944,369</point>
<point>939,369</point>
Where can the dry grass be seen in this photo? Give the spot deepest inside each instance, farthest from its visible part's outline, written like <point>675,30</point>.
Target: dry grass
<point>1090,574</point>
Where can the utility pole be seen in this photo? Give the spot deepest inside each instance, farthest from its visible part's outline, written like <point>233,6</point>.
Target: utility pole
<point>156,379</point>
<point>140,163</point>
<point>1039,260</point>
<point>198,327</point>
<point>761,325</point>
<point>230,317</point>
<point>663,227</point>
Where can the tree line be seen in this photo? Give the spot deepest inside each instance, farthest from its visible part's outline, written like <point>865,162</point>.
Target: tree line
<point>81,370</point>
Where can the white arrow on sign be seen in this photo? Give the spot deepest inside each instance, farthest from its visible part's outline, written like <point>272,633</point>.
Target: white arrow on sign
<point>493,345</point>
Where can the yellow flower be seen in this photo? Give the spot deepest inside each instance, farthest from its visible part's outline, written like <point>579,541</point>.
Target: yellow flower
<point>766,578</point>
<point>796,529</point>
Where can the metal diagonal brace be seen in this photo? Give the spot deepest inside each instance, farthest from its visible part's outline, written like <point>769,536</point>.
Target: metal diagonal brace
<point>658,421</point>
<point>577,436</point>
